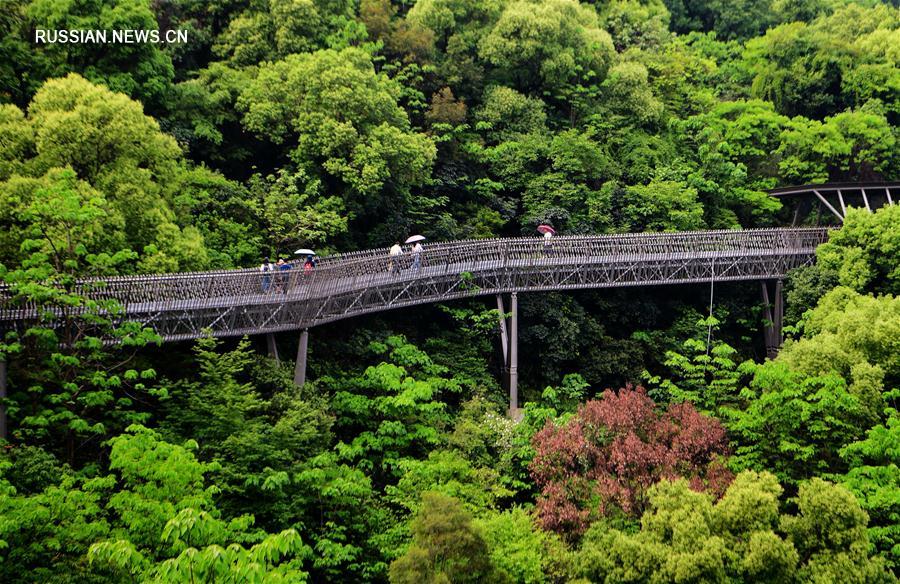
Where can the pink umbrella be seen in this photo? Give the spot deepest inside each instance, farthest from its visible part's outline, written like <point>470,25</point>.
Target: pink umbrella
<point>546,229</point>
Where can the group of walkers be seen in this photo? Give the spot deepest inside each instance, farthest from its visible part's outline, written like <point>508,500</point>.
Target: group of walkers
<point>396,254</point>
<point>276,276</point>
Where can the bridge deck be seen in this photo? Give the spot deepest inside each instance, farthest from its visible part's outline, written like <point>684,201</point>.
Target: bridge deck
<point>237,302</point>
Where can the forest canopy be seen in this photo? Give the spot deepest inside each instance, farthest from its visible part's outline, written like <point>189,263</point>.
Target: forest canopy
<point>656,440</point>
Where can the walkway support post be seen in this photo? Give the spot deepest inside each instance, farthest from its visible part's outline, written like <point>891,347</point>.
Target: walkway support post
<point>504,337</point>
<point>774,317</point>
<point>779,312</point>
<point>300,365</point>
<point>513,355</point>
<point>3,427</point>
<point>272,347</point>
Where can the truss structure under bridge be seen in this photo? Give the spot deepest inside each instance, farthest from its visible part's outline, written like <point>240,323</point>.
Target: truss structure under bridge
<point>835,198</point>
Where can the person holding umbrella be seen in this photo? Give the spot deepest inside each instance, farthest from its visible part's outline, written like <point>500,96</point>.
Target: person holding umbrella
<point>309,265</point>
<point>310,262</point>
<point>416,251</point>
<point>548,235</point>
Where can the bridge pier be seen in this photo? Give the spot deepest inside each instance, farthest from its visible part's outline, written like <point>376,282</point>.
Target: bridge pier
<point>271,347</point>
<point>514,356</point>
<point>300,365</point>
<point>509,343</point>
<point>504,337</point>
<point>774,317</point>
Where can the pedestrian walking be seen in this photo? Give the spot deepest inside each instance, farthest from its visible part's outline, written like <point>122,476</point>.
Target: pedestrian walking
<point>266,268</point>
<point>309,265</point>
<point>548,232</point>
<point>416,256</point>
<point>283,276</point>
<point>394,261</point>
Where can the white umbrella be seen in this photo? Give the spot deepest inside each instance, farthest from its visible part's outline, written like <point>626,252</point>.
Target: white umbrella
<point>414,238</point>
<point>305,252</point>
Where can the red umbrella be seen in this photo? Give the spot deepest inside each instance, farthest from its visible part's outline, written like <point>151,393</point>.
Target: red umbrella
<point>546,229</point>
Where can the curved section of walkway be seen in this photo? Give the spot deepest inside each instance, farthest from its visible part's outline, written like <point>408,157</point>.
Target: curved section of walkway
<point>238,302</point>
<point>878,192</point>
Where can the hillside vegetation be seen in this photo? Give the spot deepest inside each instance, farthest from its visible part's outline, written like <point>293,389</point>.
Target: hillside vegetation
<point>657,443</point>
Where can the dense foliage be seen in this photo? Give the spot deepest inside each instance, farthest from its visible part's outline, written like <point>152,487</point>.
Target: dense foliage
<point>605,458</point>
<point>339,125</point>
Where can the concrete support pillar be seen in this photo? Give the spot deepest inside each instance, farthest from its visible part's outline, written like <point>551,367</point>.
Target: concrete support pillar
<point>779,312</point>
<point>3,427</point>
<point>514,355</point>
<point>300,365</point>
<point>504,337</point>
<point>772,332</point>
<point>271,347</point>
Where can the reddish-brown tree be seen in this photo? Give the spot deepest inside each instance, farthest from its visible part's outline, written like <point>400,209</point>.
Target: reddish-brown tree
<point>603,460</point>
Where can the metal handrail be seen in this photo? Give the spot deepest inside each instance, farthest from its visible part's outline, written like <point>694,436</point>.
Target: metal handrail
<point>367,270</point>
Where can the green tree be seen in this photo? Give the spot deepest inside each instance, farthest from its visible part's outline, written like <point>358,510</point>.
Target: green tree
<point>353,533</point>
<point>294,211</point>
<point>447,473</point>
<point>794,424</point>
<point>861,255</point>
<point>347,128</point>
<point>853,143</point>
<point>746,133</point>
<point>865,253</point>
<point>548,44</point>
<point>151,518</point>
<point>505,114</point>
<point>685,537</point>
<point>446,547</point>
<point>663,205</point>
<point>72,390</point>
<point>728,19</point>
<point>874,477</point>
<point>272,30</point>
<point>519,549</point>
<point>109,143</point>
<point>394,411</point>
<point>490,439</point>
<point>258,428</point>
<point>635,24</point>
<point>854,336</point>
<point>819,69</point>
<point>705,375</point>
<point>141,70</point>
<point>829,533</point>
<point>205,119</point>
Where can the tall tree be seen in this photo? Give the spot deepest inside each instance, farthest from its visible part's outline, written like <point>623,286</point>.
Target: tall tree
<point>602,461</point>
<point>446,546</point>
<point>71,390</point>
<point>343,123</point>
<point>110,144</point>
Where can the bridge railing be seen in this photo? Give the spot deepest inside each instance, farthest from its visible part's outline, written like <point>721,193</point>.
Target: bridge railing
<point>346,272</point>
<point>591,248</point>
